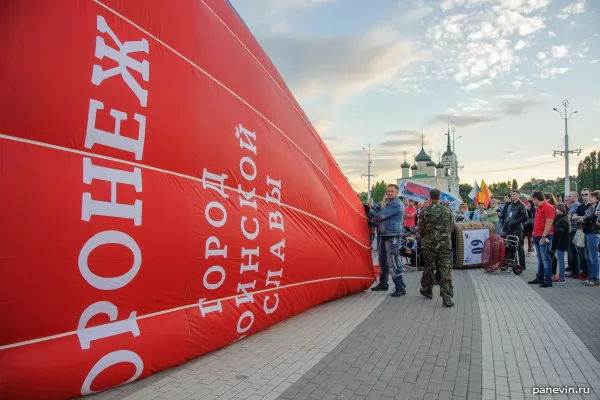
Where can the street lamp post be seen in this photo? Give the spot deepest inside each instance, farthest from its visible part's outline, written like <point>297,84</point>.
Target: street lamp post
<point>369,152</point>
<point>566,152</point>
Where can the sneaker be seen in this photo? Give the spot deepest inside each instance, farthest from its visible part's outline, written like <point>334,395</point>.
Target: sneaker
<point>560,280</point>
<point>380,288</point>
<point>448,303</point>
<point>398,293</point>
<point>535,282</point>
<point>429,295</point>
<point>555,278</point>
<point>590,283</point>
<point>546,284</point>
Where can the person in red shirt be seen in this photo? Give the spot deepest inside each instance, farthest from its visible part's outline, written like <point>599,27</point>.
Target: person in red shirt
<point>410,216</point>
<point>542,239</point>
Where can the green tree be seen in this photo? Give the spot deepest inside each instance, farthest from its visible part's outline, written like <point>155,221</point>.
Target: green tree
<point>378,191</point>
<point>588,171</point>
<point>515,185</point>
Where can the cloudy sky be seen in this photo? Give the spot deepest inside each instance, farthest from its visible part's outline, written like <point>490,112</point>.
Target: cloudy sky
<point>386,71</point>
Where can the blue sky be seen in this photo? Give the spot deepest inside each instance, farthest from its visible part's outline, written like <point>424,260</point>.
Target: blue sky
<point>385,72</point>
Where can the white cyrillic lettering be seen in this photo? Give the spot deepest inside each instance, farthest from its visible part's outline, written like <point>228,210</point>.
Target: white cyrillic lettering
<point>88,335</point>
<point>114,139</point>
<point>248,235</point>
<point>100,239</point>
<point>217,269</point>
<point>241,133</point>
<point>271,274</point>
<point>275,220</point>
<point>276,249</point>
<point>247,314</point>
<point>114,358</point>
<point>218,251</point>
<point>272,309</point>
<point>247,196</point>
<point>111,208</point>
<point>248,297</point>
<point>248,161</point>
<point>206,310</point>
<point>249,253</point>
<point>124,61</point>
<point>219,206</point>
<point>214,182</point>
<point>275,195</point>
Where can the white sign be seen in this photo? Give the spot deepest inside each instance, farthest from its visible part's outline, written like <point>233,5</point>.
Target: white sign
<point>473,244</point>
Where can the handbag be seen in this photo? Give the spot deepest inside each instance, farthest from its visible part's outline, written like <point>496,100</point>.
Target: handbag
<point>579,238</point>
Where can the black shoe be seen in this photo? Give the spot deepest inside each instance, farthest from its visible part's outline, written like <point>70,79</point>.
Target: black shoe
<point>535,282</point>
<point>436,283</point>
<point>380,288</point>
<point>546,284</point>
<point>398,293</point>
<point>448,303</point>
<point>429,295</point>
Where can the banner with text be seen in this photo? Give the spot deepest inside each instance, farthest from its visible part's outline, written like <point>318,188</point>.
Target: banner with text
<point>473,245</point>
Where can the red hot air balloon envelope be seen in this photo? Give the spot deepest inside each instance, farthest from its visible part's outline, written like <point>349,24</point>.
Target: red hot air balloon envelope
<point>163,194</point>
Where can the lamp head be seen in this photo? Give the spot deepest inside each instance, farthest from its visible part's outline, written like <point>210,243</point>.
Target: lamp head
<point>555,109</point>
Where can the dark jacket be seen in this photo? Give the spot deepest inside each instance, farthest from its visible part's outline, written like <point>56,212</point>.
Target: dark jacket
<point>390,220</point>
<point>589,221</point>
<point>516,215</point>
<point>562,233</point>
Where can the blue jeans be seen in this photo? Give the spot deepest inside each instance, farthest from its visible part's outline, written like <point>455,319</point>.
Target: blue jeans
<point>591,256</point>
<point>560,257</point>
<point>389,259</point>
<point>544,258</point>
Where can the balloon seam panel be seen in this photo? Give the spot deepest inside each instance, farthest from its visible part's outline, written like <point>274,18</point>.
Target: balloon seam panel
<point>155,314</point>
<point>156,169</point>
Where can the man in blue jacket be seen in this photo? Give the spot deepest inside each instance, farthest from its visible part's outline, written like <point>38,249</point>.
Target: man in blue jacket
<point>390,221</point>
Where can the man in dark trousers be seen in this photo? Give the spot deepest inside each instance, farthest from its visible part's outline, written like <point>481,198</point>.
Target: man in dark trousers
<point>435,228</point>
<point>514,217</point>
<point>389,223</point>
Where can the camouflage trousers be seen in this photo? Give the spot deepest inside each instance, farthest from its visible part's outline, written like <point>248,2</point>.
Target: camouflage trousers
<point>442,260</point>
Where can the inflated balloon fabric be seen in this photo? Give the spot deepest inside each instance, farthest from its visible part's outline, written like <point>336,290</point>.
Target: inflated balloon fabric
<point>163,193</point>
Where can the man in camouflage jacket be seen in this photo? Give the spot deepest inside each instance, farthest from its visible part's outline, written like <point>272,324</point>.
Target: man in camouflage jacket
<point>435,228</point>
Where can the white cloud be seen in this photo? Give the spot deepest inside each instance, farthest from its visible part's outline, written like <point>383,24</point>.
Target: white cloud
<point>420,11</point>
<point>551,73</point>
<point>337,68</point>
<point>521,44</point>
<point>551,34</point>
<point>594,61</point>
<point>517,84</point>
<point>479,41</point>
<point>541,56</point>
<point>560,51</point>
<point>575,8</point>
<point>472,106</point>
<point>476,85</point>
<point>597,103</point>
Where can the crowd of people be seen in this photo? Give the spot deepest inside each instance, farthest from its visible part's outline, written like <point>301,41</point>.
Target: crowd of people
<point>555,229</point>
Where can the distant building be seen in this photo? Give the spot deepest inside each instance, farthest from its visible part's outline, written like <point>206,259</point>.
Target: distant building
<point>442,175</point>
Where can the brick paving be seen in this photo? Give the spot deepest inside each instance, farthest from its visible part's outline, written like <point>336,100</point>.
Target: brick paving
<point>502,339</point>
<point>408,348</point>
<point>576,304</point>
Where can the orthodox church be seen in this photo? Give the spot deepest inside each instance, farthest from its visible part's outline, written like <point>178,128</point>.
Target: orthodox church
<point>442,175</point>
